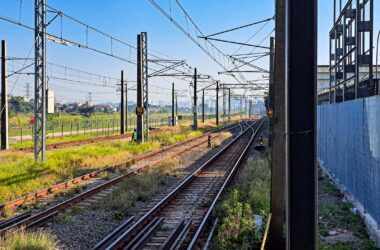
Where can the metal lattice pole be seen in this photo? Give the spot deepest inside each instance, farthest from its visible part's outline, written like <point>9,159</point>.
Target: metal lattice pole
<point>122,104</point>
<point>195,107</point>
<point>139,97</point>
<point>4,98</point>
<point>203,106</point>
<point>144,68</point>
<point>40,82</point>
<point>173,120</point>
<point>217,105</point>
<point>229,104</point>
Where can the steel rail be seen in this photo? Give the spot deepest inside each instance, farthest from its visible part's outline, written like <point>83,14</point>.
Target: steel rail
<point>130,235</point>
<point>28,219</point>
<point>207,217</point>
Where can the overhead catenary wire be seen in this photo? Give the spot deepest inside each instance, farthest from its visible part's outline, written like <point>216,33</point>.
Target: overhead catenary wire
<point>182,29</point>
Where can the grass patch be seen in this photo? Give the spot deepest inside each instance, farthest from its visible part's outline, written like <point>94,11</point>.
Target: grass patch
<point>29,241</point>
<point>19,174</point>
<point>251,196</point>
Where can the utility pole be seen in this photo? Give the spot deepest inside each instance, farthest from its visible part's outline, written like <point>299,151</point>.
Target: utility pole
<point>241,106</point>
<point>140,93</point>
<point>301,35</point>
<point>203,106</point>
<point>173,123</point>
<point>245,106</point>
<point>278,163</point>
<point>89,98</point>
<point>126,104</point>
<point>144,75</point>
<point>40,85</point>
<point>122,105</point>
<point>217,104</point>
<point>250,109</point>
<point>229,104</point>
<point>4,98</point>
<point>271,89</point>
<point>176,105</point>
<point>195,118</point>
<point>224,103</point>
<point>27,90</point>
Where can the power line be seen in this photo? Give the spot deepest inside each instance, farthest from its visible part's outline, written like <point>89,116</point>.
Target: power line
<point>182,29</point>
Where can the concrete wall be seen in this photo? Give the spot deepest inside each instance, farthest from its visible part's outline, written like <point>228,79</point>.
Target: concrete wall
<point>349,147</point>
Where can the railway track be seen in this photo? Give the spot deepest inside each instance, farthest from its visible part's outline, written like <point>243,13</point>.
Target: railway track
<point>180,219</point>
<point>30,219</point>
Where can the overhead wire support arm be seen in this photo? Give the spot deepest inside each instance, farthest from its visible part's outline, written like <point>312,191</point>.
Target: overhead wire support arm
<point>242,71</point>
<point>19,71</point>
<point>233,42</point>
<point>241,27</point>
<point>199,77</point>
<point>167,68</point>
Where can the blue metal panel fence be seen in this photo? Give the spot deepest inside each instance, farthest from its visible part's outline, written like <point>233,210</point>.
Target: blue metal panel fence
<point>349,147</point>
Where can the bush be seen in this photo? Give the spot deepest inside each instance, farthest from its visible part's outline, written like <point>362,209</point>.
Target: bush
<point>251,196</point>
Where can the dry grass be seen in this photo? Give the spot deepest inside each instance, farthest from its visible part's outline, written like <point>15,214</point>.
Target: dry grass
<point>29,241</point>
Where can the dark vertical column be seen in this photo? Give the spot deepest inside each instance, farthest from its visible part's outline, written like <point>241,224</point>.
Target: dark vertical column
<point>217,104</point>
<point>371,16</point>
<point>224,102</point>
<point>241,106</point>
<point>357,51</point>
<point>173,105</point>
<point>122,104</point>
<point>4,98</point>
<point>126,104</point>
<point>139,98</point>
<point>271,88</point>
<point>301,68</point>
<point>229,104</point>
<point>276,233</point>
<point>176,105</point>
<point>195,115</point>
<point>249,109</point>
<point>330,64</point>
<point>245,106</point>
<point>203,106</point>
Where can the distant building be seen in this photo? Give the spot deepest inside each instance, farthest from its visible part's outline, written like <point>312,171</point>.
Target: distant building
<point>323,81</point>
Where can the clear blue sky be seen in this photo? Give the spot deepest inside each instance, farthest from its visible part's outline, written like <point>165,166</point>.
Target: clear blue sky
<point>126,18</point>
